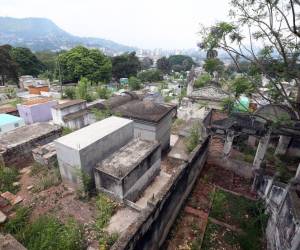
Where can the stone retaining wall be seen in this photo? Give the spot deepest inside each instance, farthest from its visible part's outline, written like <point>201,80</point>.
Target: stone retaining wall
<point>156,220</point>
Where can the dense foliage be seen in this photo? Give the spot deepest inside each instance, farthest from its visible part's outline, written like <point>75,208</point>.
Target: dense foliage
<point>164,65</point>
<point>8,66</point>
<point>150,75</point>
<point>28,63</point>
<point>134,83</point>
<point>125,65</point>
<point>82,62</point>
<point>181,62</point>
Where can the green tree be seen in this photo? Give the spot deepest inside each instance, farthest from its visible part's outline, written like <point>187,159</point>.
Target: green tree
<point>150,75</point>
<point>146,63</point>
<point>134,83</point>
<point>8,67</point>
<point>164,65</point>
<point>202,80</point>
<point>91,64</point>
<point>181,62</point>
<point>49,59</point>
<point>241,85</point>
<point>83,90</point>
<point>213,65</point>
<point>273,24</point>
<point>125,65</point>
<point>28,63</point>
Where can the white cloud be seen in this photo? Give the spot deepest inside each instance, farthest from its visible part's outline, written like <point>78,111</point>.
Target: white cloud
<point>143,23</point>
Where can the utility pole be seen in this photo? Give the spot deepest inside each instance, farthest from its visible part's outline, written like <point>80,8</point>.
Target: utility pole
<point>60,78</point>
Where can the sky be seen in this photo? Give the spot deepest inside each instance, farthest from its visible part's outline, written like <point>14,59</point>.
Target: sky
<point>147,24</point>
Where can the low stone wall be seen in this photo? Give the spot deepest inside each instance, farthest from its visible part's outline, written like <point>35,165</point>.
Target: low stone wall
<point>155,221</point>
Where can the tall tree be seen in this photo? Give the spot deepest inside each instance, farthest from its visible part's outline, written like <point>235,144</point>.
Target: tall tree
<point>80,62</point>
<point>270,24</point>
<point>28,63</point>
<point>146,63</point>
<point>164,65</point>
<point>8,67</point>
<point>125,65</point>
<point>181,62</point>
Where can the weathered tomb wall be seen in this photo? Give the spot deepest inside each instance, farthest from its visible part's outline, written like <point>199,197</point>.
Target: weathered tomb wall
<point>155,221</point>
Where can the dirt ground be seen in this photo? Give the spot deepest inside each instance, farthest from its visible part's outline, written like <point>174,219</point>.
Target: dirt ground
<point>195,214</point>
<point>59,200</point>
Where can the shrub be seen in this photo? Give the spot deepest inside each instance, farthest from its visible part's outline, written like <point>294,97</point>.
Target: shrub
<point>70,93</point>
<point>66,131</point>
<point>151,75</point>
<point>202,80</point>
<point>106,208</point>
<point>103,92</point>
<point>134,83</point>
<point>7,177</point>
<point>193,139</point>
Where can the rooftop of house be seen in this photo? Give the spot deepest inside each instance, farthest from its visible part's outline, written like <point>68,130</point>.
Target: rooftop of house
<point>7,109</point>
<point>7,119</point>
<point>88,135</point>
<point>118,100</point>
<point>37,101</point>
<point>69,104</point>
<point>26,133</point>
<point>123,161</point>
<point>144,110</point>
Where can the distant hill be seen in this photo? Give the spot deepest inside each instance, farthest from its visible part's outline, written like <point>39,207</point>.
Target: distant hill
<point>41,34</point>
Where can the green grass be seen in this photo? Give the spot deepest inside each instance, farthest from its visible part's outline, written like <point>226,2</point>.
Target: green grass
<point>16,224</point>
<point>105,210</point>
<point>246,214</point>
<point>193,139</point>
<point>217,237</point>
<point>66,131</point>
<point>46,232</point>
<point>7,177</point>
<point>48,178</point>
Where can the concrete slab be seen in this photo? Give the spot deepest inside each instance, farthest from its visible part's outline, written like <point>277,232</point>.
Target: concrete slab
<point>159,182</point>
<point>93,133</point>
<point>122,220</point>
<point>173,140</point>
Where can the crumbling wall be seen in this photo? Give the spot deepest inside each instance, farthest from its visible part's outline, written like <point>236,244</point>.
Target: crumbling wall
<point>18,155</point>
<point>155,221</point>
<point>283,206</point>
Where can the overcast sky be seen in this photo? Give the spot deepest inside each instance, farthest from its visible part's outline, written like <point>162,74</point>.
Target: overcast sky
<point>146,24</point>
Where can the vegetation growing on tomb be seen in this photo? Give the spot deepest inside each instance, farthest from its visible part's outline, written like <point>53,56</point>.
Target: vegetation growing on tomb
<point>105,210</point>
<point>7,178</point>
<point>202,80</point>
<point>193,139</point>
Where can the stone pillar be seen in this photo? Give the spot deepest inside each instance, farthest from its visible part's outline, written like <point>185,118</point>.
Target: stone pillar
<point>251,141</point>
<point>297,175</point>
<point>228,143</point>
<point>282,145</point>
<point>261,150</point>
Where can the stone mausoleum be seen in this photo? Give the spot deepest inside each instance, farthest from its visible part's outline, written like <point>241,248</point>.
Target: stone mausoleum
<point>72,114</point>
<point>83,149</point>
<point>129,170</point>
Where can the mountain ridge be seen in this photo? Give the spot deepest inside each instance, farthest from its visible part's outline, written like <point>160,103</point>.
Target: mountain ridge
<point>42,34</point>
